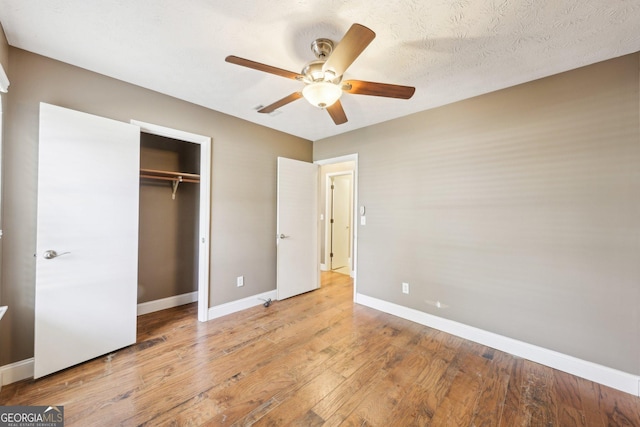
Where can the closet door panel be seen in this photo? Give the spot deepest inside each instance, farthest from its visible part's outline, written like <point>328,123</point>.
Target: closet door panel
<point>87,238</point>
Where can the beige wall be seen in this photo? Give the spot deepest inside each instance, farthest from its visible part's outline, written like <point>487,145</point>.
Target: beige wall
<point>243,181</point>
<point>519,210</point>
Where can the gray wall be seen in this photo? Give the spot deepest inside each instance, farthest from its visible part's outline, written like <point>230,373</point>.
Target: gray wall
<point>4,50</point>
<point>4,60</point>
<point>519,210</point>
<point>243,187</point>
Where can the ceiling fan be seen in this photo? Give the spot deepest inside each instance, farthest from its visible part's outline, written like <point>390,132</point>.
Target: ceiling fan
<point>323,77</point>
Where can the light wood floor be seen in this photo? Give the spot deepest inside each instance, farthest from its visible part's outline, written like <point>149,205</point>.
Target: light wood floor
<point>316,359</point>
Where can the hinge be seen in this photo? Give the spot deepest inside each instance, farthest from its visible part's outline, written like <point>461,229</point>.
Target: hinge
<point>332,187</point>
<point>331,220</point>
<point>331,255</point>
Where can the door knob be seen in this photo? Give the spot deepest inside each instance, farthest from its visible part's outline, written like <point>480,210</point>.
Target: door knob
<point>282,236</point>
<point>51,254</point>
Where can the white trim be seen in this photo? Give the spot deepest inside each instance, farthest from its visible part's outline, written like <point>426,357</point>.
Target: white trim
<point>205,205</point>
<point>169,302</point>
<point>339,159</point>
<point>610,377</point>
<point>241,304</point>
<point>170,133</point>
<point>323,267</point>
<point>4,80</point>
<point>17,371</point>
<point>355,222</point>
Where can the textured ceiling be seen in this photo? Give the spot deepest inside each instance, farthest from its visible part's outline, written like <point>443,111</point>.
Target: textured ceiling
<point>448,49</point>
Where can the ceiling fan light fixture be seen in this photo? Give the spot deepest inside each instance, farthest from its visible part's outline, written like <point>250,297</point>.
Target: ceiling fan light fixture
<point>322,94</point>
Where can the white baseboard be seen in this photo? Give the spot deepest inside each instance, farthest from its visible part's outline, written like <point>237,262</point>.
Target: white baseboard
<point>17,371</point>
<point>610,377</point>
<point>239,305</point>
<point>164,303</point>
<point>323,267</point>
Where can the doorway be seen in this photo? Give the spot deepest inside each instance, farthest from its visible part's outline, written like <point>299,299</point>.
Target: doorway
<point>202,201</point>
<point>168,223</point>
<point>339,214</point>
<point>340,168</point>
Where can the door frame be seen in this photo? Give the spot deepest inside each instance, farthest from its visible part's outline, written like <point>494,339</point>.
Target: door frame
<point>205,205</point>
<point>354,231</point>
<point>328,238</point>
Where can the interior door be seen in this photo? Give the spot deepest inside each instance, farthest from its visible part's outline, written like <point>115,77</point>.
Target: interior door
<point>341,223</point>
<point>87,238</point>
<point>297,228</point>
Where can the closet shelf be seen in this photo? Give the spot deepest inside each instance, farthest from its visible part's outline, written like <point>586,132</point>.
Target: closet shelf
<point>175,177</point>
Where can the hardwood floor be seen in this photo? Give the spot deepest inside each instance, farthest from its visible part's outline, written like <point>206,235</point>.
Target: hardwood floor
<point>316,359</point>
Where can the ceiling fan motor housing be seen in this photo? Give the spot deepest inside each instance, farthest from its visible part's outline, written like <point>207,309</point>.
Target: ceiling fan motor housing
<point>313,71</point>
<point>322,48</point>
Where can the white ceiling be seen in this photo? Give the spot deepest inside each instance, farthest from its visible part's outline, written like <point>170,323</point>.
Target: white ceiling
<point>448,49</point>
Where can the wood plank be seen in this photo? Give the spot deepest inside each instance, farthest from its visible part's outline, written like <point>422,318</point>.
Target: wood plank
<point>316,359</point>
<point>458,406</point>
<point>295,403</point>
<point>589,393</point>
<point>539,401</point>
<point>490,403</point>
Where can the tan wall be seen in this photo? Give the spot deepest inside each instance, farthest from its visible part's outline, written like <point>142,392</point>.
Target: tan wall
<point>243,187</point>
<point>168,228</point>
<point>519,210</point>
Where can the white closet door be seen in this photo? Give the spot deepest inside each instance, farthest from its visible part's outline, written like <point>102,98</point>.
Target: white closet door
<point>88,183</point>
<point>298,265</point>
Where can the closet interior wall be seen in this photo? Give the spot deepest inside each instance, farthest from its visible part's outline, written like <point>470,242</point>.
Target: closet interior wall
<point>168,236</point>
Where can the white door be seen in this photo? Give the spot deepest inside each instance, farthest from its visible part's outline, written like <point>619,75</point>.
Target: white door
<point>341,223</point>
<point>87,238</point>
<point>297,228</point>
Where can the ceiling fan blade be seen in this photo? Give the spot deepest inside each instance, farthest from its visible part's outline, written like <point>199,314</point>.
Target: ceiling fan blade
<point>337,113</point>
<point>284,101</point>
<point>262,67</point>
<point>360,87</point>
<point>350,47</point>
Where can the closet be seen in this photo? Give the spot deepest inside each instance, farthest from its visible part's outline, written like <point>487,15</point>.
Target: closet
<point>168,226</point>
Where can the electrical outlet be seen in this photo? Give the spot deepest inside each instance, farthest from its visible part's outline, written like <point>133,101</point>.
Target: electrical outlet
<point>240,281</point>
<point>405,288</point>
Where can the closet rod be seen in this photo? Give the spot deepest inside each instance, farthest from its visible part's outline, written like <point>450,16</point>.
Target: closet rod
<point>152,173</point>
<point>167,178</point>
<point>175,177</point>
